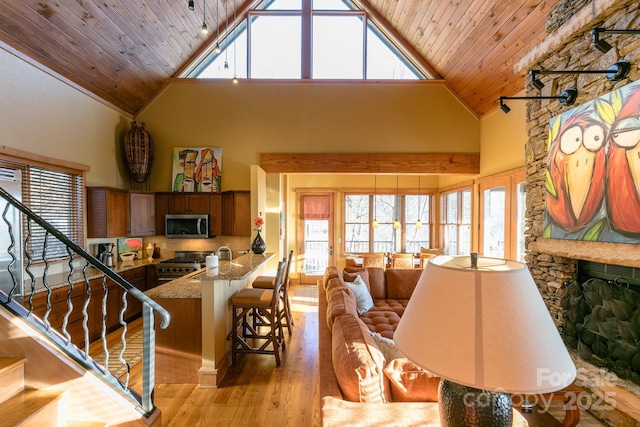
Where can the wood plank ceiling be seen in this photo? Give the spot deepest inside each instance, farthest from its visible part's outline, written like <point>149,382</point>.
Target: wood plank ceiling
<point>123,52</point>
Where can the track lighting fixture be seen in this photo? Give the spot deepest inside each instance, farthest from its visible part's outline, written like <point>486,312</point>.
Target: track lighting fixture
<point>615,73</point>
<point>602,45</point>
<point>567,97</point>
<point>192,5</point>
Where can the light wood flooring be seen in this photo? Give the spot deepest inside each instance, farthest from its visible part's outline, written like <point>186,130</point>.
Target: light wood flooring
<point>257,393</point>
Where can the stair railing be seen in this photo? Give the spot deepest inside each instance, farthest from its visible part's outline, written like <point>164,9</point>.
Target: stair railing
<point>81,275</point>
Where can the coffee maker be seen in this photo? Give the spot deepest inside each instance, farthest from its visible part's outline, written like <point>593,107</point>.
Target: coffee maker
<point>105,253</point>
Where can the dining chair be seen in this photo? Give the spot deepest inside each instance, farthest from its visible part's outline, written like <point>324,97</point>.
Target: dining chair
<point>424,258</point>
<point>373,260</point>
<point>401,260</point>
<point>255,310</point>
<point>267,282</point>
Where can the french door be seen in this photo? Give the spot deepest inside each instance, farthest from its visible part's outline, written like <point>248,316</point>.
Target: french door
<point>502,215</point>
<point>315,228</point>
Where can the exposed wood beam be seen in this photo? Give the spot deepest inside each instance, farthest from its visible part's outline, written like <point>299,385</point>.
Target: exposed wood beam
<point>391,163</point>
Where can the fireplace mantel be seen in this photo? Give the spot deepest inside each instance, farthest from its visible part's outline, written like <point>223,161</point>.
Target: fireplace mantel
<point>607,253</point>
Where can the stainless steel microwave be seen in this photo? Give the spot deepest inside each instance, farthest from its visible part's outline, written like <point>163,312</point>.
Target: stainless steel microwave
<point>186,226</point>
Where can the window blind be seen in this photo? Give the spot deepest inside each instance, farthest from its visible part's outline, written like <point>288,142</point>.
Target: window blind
<point>58,198</point>
<point>316,207</point>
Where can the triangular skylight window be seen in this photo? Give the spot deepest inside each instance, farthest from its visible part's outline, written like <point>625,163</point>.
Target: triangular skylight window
<point>268,44</point>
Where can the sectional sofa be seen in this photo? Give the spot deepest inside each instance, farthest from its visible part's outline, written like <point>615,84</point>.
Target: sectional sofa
<point>364,380</point>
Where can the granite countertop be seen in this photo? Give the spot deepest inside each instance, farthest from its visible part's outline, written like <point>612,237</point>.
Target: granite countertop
<point>61,279</point>
<point>189,286</point>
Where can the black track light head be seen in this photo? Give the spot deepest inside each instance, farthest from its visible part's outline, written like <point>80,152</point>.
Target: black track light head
<point>536,82</point>
<point>192,5</point>
<point>567,97</point>
<point>504,107</point>
<point>602,45</point>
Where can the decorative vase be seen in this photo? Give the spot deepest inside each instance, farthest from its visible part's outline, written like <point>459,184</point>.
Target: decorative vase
<point>258,246</point>
<point>138,151</point>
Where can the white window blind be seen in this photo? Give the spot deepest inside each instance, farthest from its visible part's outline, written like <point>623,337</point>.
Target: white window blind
<point>58,198</point>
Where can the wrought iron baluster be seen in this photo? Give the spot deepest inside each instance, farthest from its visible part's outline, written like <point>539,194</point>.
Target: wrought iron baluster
<point>10,249</point>
<point>85,313</point>
<point>65,320</point>
<point>123,339</point>
<point>27,268</point>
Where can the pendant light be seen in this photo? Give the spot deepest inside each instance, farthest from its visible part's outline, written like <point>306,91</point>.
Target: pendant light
<point>396,223</point>
<point>418,222</point>
<point>205,30</point>
<point>374,224</point>
<point>217,49</point>
<point>226,51</point>
<point>235,62</point>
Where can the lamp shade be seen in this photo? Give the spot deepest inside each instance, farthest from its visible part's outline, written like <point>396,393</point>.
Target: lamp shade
<point>484,327</point>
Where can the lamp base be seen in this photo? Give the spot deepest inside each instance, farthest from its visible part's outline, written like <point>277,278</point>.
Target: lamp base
<point>462,406</point>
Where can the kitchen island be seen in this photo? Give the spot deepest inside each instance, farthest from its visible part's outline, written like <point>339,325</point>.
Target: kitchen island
<point>194,348</point>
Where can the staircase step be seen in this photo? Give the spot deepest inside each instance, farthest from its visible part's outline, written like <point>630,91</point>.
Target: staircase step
<point>11,376</point>
<point>31,408</point>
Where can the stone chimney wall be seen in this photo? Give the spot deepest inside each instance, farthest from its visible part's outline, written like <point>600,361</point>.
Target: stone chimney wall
<point>568,46</point>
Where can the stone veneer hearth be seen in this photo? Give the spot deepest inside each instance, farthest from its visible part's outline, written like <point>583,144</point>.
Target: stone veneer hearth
<point>553,262</point>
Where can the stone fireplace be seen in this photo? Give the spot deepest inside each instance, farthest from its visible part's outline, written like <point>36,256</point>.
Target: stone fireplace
<point>553,262</point>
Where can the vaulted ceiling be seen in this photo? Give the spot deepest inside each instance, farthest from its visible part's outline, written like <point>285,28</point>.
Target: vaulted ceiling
<point>124,52</point>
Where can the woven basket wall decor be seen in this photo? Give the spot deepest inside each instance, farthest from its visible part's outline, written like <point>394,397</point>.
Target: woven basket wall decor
<point>138,150</point>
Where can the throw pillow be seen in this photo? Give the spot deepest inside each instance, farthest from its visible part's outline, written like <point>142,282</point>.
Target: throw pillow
<point>410,383</point>
<point>364,302</point>
<point>387,347</point>
<point>351,276</point>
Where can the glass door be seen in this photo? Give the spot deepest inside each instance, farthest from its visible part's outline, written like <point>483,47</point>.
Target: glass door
<point>502,215</point>
<point>315,225</point>
<point>493,222</point>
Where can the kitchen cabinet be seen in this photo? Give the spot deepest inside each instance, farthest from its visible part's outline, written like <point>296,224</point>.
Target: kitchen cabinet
<point>162,208</point>
<point>142,214</point>
<point>236,213</point>
<point>107,212</point>
<point>215,214</point>
<point>59,309</point>
<point>188,203</point>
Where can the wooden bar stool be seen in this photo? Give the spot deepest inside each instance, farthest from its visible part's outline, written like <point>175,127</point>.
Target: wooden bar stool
<point>255,310</point>
<point>267,282</point>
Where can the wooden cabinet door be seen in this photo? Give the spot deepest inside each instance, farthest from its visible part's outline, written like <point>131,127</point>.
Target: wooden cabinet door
<point>162,208</point>
<point>94,309</point>
<point>183,203</point>
<point>143,214</point>
<point>198,203</point>
<point>215,214</point>
<point>107,212</point>
<point>178,204</point>
<point>236,213</point>
<point>117,213</point>
<point>138,278</point>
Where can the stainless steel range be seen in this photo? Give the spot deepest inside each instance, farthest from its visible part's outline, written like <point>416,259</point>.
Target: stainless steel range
<point>183,263</point>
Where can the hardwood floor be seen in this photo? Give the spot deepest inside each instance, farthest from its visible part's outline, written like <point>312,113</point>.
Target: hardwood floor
<point>255,392</point>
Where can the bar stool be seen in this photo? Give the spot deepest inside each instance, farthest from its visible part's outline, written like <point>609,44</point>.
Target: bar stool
<point>266,282</point>
<point>262,306</point>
